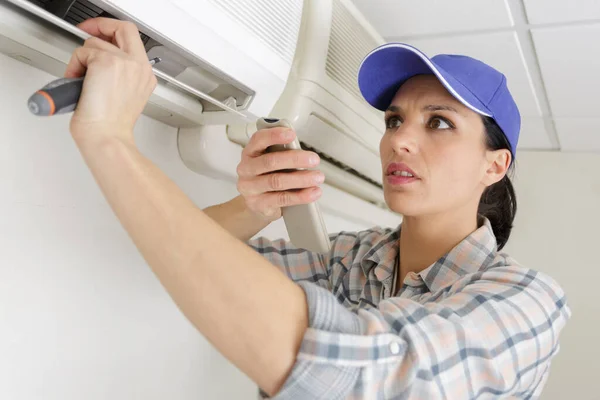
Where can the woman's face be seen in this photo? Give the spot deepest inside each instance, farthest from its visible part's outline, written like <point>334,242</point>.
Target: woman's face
<point>442,142</point>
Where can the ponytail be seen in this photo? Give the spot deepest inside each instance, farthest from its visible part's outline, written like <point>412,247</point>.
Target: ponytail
<point>498,202</point>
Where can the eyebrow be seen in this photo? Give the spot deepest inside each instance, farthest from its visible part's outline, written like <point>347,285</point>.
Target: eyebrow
<point>430,107</point>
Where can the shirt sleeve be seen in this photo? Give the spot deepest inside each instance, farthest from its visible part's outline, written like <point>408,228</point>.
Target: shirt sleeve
<point>490,334</point>
<point>298,264</point>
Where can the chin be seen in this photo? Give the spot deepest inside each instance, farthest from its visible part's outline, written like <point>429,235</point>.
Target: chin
<point>403,203</point>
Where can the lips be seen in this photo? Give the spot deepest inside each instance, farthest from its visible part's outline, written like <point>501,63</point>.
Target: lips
<point>400,169</point>
<point>398,174</point>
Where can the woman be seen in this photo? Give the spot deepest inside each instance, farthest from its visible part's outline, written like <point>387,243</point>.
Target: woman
<point>430,309</point>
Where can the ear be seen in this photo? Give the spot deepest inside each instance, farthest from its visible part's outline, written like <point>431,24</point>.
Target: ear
<point>498,162</point>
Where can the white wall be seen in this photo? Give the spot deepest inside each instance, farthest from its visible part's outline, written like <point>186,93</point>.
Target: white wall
<point>557,231</point>
<point>81,315</point>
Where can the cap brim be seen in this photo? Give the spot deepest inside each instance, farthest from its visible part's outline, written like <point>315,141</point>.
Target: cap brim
<point>386,68</point>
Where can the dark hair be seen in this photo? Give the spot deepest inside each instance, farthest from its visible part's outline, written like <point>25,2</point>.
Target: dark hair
<point>498,202</point>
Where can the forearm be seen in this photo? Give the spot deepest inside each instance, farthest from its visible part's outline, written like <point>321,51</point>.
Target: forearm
<point>235,217</point>
<point>223,287</point>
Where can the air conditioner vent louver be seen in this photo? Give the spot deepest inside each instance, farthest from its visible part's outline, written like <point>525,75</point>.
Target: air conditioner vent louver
<point>41,3</point>
<point>82,10</point>
<point>75,11</point>
<point>341,165</point>
<point>274,23</point>
<point>348,45</point>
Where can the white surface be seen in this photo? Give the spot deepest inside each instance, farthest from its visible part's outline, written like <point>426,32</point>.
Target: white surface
<point>554,11</point>
<point>534,134</point>
<point>206,13</point>
<point>579,134</point>
<point>407,17</point>
<point>82,316</point>
<point>570,65</point>
<point>556,231</point>
<point>211,35</point>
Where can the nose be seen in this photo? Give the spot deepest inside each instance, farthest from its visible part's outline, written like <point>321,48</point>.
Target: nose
<point>405,138</point>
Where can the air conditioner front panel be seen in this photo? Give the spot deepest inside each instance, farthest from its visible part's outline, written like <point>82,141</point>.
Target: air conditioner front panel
<point>30,55</point>
<point>214,33</point>
<point>349,43</point>
<point>233,73</point>
<point>46,46</point>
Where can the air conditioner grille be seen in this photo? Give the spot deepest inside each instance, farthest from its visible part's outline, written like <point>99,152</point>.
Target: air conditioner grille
<point>340,165</point>
<point>75,12</point>
<point>82,10</point>
<point>41,3</point>
<point>275,22</point>
<point>348,45</point>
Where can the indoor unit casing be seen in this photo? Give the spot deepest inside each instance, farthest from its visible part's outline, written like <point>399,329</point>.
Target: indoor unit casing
<point>226,63</point>
<point>322,101</point>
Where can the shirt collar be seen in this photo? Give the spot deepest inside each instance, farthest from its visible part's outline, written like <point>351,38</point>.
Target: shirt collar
<point>469,256</point>
<point>473,253</point>
<point>382,255</point>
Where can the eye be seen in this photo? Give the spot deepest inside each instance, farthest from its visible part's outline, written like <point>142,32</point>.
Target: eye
<point>440,123</point>
<point>392,123</point>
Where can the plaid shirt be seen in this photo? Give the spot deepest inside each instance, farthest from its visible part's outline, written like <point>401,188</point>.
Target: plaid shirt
<point>474,324</point>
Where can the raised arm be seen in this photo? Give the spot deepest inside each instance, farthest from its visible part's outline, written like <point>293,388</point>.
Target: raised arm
<point>223,287</point>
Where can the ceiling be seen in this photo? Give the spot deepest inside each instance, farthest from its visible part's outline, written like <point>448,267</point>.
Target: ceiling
<point>549,51</point>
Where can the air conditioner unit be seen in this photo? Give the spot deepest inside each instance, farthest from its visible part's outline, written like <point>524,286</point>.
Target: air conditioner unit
<point>226,63</point>
<point>323,102</point>
<point>207,74</point>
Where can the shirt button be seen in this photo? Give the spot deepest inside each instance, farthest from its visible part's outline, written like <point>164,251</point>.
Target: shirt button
<point>395,348</point>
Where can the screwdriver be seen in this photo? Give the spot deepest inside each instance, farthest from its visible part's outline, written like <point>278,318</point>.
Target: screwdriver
<point>60,96</point>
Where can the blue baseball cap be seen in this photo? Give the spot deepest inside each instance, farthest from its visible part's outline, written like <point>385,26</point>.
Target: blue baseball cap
<point>475,84</point>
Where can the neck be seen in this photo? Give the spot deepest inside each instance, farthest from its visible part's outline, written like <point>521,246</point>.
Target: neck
<point>424,239</point>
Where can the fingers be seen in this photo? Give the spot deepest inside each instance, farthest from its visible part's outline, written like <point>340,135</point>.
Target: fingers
<point>80,59</point>
<point>279,181</point>
<point>267,202</point>
<point>267,137</point>
<point>281,160</point>
<point>124,35</point>
<point>100,44</point>
<point>265,191</point>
